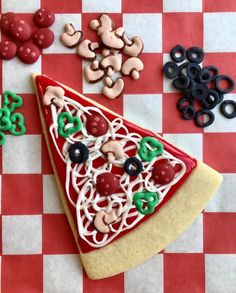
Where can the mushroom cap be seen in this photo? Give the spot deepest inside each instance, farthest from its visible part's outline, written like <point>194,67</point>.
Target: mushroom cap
<point>53,92</point>
<point>114,147</point>
<point>114,90</point>
<point>133,63</point>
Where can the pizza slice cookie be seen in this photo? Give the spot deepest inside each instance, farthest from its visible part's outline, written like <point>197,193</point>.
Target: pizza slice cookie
<point>127,192</point>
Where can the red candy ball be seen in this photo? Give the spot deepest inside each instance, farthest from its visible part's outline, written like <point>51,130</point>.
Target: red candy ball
<point>28,53</point>
<point>43,38</point>
<point>163,173</point>
<point>20,30</point>
<point>96,125</point>
<point>107,184</point>
<point>44,18</point>
<point>6,20</point>
<point>7,50</point>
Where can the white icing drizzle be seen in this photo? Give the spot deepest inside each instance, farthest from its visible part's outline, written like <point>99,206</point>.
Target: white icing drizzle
<point>83,177</point>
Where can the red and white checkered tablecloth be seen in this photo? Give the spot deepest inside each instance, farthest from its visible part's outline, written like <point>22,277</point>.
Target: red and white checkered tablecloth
<point>37,249</point>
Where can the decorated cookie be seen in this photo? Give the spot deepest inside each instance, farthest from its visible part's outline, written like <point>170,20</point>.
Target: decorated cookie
<point>6,20</point>
<point>128,193</point>
<point>86,49</point>
<point>44,17</point>
<point>7,49</point>
<point>132,67</point>
<point>43,38</point>
<point>20,30</point>
<point>71,38</point>
<point>28,53</point>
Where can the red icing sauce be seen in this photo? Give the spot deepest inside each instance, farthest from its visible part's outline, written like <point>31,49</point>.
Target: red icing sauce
<point>42,82</point>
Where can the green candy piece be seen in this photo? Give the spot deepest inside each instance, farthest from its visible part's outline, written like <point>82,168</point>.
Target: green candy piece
<point>5,122</point>
<point>146,154</point>
<point>16,102</point>
<point>150,198</point>
<point>67,117</point>
<point>18,122</point>
<point>2,138</point>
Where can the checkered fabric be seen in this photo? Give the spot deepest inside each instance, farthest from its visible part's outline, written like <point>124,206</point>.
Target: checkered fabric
<point>37,249</point>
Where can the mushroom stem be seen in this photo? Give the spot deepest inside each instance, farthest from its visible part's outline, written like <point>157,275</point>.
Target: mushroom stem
<point>110,158</point>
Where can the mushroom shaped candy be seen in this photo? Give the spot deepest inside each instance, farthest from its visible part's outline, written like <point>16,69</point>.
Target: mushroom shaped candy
<point>134,48</point>
<point>111,63</point>
<point>114,150</point>
<point>107,184</point>
<point>103,24</point>
<point>86,49</point>
<point>53,95</point>
<point>132,66</point>
<point>113,89</point>
<point>102,220</point>
<point>96,125</point>
<point>113,39</point>
<point>71,38</point>
<point>93,73</point>
<point>163,173</point>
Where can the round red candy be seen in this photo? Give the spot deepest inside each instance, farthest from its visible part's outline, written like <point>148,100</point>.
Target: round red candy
<point>163,173</point>
<point>96,125</point>
<point>107,184</point>
<point>20,30</point>
<point>43,38</point>
<point>6,20</point>
<point>44,17</point>
<point>28,53</point>
<point>7,50</point>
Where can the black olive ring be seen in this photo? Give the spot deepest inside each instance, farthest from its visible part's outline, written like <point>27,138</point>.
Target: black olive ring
<point>223,109</point>
<point>171,70</point>
<point>203,124</point>
<point>133,162</point>
<point>78,152</point>
<point>227,78</point>
<point>178,49</point>
<point>191,52</point>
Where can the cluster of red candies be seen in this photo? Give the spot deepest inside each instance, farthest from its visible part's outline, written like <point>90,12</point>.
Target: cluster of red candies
<point>20,38</point>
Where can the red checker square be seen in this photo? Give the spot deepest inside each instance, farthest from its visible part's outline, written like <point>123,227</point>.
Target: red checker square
<point>219,232</point>
<point>144,6</point>
<point>185,29</point>
<point>57,235</point>
<point>172,120</point>
<point>66,68</point>
<point>151,78</point>
<point>184,273</point>
<point>225,62</point>
<point>46,163</point>
<point>113,284</point>
<point>114,105</point>
<point>58,6</point>
<point>91,34</point>
<point>22,274</point>
<point>30,112</point>
<point>22,194</point>
<point>219,6</point>
<point>219,150</point>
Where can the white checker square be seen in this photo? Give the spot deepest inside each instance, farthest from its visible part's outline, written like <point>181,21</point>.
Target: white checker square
<point>136,25</point>
<point>62,273</point>
<point>167,83</point>
<point>22,234</point>
<point>20,7</point>
<point>113,6</point>
<point>182,6</point>
<point>151,271</point>
<point>145,110</point>
<point>220,273</point>
<point>16,75</point>
<point>58,29</point>
<point>191,241</point>
<point>224,200</point>
<point>22,154</point>
<point>51,198</point>
<point>221,123</point>
<point>190,143</point>
<point>215,27</point>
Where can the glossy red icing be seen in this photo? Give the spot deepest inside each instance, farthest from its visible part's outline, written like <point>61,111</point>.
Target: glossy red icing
<point>42,83</point>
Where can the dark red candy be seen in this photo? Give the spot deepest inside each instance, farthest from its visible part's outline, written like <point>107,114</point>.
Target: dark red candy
<point>163,173</point>
<point>43,38</point>
<point>44,17</point>
<point>20,30</point>
<point>107,184</point>
<point>96,125</point>
<point>28,53</point>
<point>7,50</point>
<point>6,20</point>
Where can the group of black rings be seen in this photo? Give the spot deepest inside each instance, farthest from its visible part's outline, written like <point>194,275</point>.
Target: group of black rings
<point>198,84</point>
<point>79,153</point>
